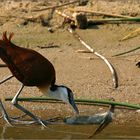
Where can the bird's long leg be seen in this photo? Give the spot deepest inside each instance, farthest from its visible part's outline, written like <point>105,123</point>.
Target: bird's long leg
<point>107,120</point>
<point>6,79</point>
<point>4,114</point>
<point>15,103</point>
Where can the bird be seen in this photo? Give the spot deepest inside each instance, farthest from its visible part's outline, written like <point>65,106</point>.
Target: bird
<point>32,69</point>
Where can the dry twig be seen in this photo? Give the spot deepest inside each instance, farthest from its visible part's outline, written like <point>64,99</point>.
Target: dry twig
<point>131,34</point>
<point>82,51</point>
<point>64,15</point>
<point>134,49</point>
<point>114,74</point>
<point>98,13</point>
<point>56,6</point>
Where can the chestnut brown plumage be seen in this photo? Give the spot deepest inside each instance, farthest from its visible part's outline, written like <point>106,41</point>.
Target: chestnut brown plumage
<point>32,69</point>
<point>28,66</point>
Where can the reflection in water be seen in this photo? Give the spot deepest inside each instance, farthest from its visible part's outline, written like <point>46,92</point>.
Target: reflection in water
<point>67,132</point>
<point>3,131</point>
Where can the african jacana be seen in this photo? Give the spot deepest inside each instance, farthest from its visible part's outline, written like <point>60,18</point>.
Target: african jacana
<point>32,69</point>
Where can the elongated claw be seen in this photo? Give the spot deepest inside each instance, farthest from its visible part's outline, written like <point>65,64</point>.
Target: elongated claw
<point>107,120</point>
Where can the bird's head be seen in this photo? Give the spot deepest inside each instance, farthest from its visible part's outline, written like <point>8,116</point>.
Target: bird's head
<point>65,94</point>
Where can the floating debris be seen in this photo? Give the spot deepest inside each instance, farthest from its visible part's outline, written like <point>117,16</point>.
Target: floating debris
<point>92,11</point>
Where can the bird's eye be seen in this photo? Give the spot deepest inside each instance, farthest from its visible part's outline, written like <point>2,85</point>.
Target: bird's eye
<point>53,88</point>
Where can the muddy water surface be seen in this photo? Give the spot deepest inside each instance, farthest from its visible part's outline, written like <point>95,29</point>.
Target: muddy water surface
<point>68,132</point>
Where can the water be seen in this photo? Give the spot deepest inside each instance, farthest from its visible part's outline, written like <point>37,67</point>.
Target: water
<point>68,132</point>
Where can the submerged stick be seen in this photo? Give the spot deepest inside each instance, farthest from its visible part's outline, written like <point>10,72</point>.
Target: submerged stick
<point>80,101</point>
<point>134,49</point>
<point>113,72</point>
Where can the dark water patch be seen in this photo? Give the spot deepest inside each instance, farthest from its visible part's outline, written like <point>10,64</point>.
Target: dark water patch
<point>68,132</point>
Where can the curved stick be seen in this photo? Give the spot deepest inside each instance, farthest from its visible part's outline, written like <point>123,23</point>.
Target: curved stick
<point>4,114</point>
<point>114,74</point>
<point>113,71</point>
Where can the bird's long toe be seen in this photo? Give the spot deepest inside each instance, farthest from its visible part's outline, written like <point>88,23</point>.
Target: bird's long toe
<point>7,119</point>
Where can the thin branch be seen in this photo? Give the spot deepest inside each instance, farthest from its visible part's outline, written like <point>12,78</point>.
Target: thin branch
<point>48,46</point>
<point>131,34</point>
<point>134,49</point>
<point>82,51</point>
<point>114,74</point>
<point>56,6</point>
<point>98,12</point>
<point>64,15</point>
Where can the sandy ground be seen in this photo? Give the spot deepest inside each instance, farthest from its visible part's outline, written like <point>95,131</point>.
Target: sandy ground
<point>88,78</point>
